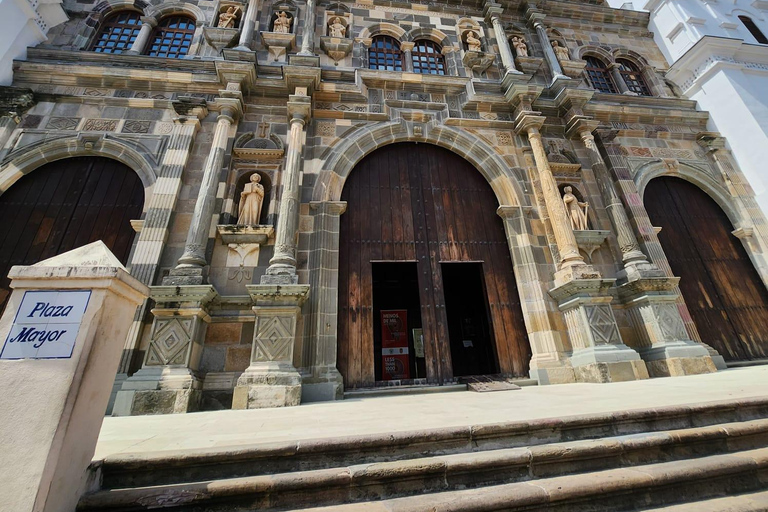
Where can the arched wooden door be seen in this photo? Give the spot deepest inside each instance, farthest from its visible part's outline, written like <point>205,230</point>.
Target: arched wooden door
<point>64,205</point>
<point>421,235</point>
<point>722,289</point>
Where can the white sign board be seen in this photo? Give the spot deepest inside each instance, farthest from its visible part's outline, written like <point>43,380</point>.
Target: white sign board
<point>46,325</point>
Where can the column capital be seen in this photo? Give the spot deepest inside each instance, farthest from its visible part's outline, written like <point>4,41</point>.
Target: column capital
<point>530,123</point>
<point>407,46</point>
<point>229,107</point>
<point>149,20</point>
<point>581,127</point>
<point>299,108</point>
<point>508,212</point>
<point>492,11</point>
<point>187,107</point>
<point>328,207</point>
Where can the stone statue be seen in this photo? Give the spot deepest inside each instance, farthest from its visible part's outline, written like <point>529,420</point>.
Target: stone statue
<point>560,51</point>
<point>336,28</point>
<point>228,18</point>
<point>577,211</point>
<point>521,49</point>
<point>251,199</point>
<point>282,23</point>
<point>473,43</point>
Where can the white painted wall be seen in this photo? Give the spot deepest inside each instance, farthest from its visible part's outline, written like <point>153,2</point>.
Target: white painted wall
<point>24,23</point>
<point>715,60</point>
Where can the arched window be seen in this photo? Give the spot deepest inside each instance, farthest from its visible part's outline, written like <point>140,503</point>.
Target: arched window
<point>117,33</point>
<point>171,38</point>
<point>428,58</point>
<point>599,75</point>
<point>385,53</point>
<point>632,77</point>
<point>756,32</point>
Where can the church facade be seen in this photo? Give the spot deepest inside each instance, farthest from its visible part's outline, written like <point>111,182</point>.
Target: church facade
<point>330,196</point>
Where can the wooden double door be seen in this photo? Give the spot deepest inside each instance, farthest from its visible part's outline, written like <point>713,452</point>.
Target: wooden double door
<point>421,236</point>
<point>64,205</point>
<point>724,293</point>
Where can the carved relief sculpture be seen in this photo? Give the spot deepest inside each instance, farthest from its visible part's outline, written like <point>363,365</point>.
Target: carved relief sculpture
<point>577,211</point>
<point>336,28</point>
<point>228,18</point>
<point>251,199</point>
<point>561,51</point>
<point>473,43</point>
<point>282,23</point>
<point>521,49</point>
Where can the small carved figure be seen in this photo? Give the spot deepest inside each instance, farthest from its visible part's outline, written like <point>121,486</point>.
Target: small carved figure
<point>560,51</point>
<point>473,43</point>
<point>577,211</point>
<point>282,23</point>
<point>228,18</point>
<point>521,49</point>
<point>251,199</point>
<point>336,28</point>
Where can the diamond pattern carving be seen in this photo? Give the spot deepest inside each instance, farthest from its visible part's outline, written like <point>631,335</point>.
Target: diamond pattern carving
<point>603,324</point>
<point>670,323</point>
<point>172,337</point>
<point>274,339</point>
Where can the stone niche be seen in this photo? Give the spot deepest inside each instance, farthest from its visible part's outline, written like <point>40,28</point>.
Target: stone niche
<point>520,45</point>
<point>473,55</point>
<point>571,68</point>
<point>337,42</point>
<point>281,37</point>
<point>226,30</point>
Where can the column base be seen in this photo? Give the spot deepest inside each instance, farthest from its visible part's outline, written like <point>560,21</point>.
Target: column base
<point>267,384</point>
<point>608,363</point>
<point>186,276</point>
<point>327,385</point>
<point>159,390</point>
<point>677,358</point>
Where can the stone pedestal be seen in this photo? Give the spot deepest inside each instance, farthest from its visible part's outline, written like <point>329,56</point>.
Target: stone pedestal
<point>271,380</point>
<point>573,68</point>
<point>336,48</point>
<point>667,349</point>
<point>168,381</point>
<point>599,354</point>
<point>55,391</point>
<point>478,61</point>
<point>278,44</point>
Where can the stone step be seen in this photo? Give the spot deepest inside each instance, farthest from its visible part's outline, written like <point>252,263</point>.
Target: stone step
<point>748,502</point>
<point>383,480</point>
<point>165,468</point>
<point>615,490</point>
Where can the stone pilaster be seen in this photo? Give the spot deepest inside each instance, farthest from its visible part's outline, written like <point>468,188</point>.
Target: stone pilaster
<point>492,12</point>
<point>407,48</point>
<point>271,380</point>
<point>325,382</point>
<point>282,266</point>
<point>536,21</point>
<point>248,26</point>
<point>191,266</point>
<point>148,23</point>
<point>308,39</point>
<point>168,381</point>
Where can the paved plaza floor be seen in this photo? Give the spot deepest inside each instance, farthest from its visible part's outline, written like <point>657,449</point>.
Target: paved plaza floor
<point>380,415</point>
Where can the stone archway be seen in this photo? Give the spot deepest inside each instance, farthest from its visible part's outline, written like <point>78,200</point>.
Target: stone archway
<point>723,292</point>
<point>66,204</point>
<point>422,210</point>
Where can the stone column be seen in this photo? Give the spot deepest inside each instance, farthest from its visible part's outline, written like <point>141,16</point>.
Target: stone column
<point>190,267</point>
<point>248,26</point>
<point>618,79</point>
<point>140,43</point>
<point>282,266</point>
<point>325,383</point>
<point>549,52</point>
<point>407,48</point>
<point>307,42</point>
<point>571,265</point>
<point>492,12</point>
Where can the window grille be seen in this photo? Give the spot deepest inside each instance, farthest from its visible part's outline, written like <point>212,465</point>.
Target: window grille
<point>172,37</point>
<point>385,54</point>
<point>633,77</point>
<point>117,33</point>
<point>428,58</point>
<point>599,75</point>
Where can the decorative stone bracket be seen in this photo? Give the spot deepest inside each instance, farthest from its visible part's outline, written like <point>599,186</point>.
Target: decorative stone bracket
<point>478,61</point>
<point>233,234</point>
<point>278,44</point>
<point>589,240</point>
<point>529,65</point>
<point>336,48</point>
<point>573,68</point>
<point>220,38</point>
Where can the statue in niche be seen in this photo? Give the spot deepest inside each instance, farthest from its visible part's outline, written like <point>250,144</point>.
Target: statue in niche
<point>560,51</point>
<point>521,49</point>
<point>228,18</point>
<point>473,42</point>
<point>577,211</point>
<point>282,23</point>
<point>251,199</point>
<point>336,28</point>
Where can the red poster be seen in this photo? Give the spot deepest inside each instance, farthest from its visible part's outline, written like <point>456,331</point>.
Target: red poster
<point>394,345</point>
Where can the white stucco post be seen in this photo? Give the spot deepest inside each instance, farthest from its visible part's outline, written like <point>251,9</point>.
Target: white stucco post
<point>61,335</point>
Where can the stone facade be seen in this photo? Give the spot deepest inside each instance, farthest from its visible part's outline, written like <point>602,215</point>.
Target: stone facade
<point>253,310</point>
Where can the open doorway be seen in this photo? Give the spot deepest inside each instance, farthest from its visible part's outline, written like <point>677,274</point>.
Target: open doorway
<point>396,319</point>
<point>469,326</point>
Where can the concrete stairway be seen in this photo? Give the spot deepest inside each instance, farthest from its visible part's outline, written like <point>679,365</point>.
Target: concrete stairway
<point>632,460</point>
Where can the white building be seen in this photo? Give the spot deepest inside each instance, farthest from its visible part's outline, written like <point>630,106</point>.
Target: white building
<point>718,55</point>
<point>24,23</point>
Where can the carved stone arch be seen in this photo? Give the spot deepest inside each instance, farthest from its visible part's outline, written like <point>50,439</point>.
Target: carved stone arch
<point>387,29</point>
<point>595,51</point>
<point>108,7</point>
<point>431,34</point>
<point>630,55</point>
<point>698,177</point>
<point>32,157</point>
<point>359,143</point>
<point>556,35</point>
<point>170,8</point>
<point>338,8</point>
